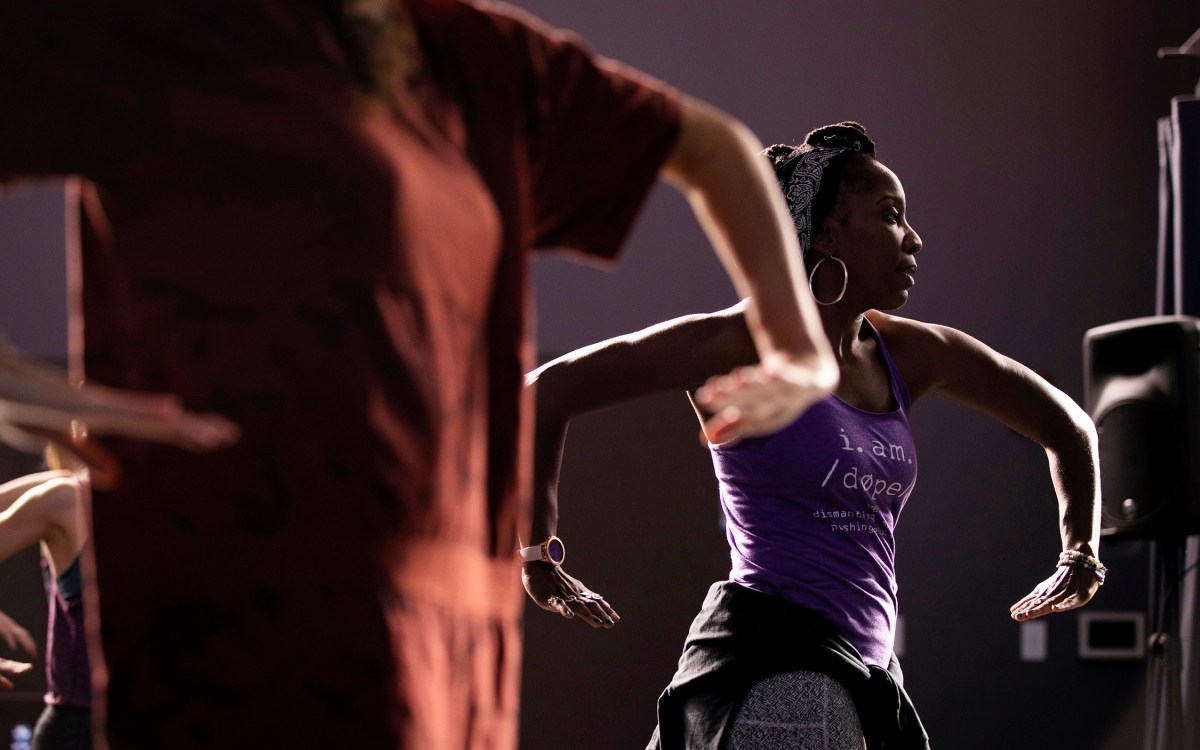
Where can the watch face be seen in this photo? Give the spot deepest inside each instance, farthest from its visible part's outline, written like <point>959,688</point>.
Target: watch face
<point>555,550</point>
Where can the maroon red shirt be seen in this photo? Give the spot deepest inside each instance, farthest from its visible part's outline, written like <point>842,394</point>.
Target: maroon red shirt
<point>348,284</point>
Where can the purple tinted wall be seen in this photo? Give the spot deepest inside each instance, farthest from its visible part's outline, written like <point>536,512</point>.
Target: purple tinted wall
<point>33,308</point>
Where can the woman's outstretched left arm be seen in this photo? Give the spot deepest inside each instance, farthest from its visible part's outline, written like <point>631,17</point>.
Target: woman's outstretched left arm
<point>941,360</point>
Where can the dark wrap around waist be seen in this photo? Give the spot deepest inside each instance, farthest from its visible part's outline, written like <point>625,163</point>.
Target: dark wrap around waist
<point>741,637</point>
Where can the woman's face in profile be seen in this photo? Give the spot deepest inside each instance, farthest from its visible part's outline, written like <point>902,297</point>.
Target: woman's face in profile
<point>871,234</point>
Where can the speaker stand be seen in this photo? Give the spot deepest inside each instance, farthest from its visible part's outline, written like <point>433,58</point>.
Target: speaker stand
<point>1166,722</point>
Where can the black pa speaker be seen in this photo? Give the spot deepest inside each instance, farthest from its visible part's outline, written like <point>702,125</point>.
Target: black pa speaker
<point>1142,389</point>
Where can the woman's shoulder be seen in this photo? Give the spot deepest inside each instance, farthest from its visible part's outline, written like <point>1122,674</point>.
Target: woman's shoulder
<point>938,357</point>
<point>906,333</point>
<point>919,349</point>
<point>60,490</point>
<point>898,334</point>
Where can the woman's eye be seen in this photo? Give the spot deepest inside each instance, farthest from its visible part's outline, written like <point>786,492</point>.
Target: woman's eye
<point>892,217</point>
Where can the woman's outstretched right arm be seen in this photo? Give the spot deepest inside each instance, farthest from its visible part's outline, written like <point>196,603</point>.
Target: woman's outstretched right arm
<point>677,355</point>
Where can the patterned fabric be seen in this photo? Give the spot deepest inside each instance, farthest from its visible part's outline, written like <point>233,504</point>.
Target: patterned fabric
<point>800,175</point>
<point>797,711</point>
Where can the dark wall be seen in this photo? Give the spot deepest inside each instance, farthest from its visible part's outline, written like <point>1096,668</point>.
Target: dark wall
<point>1024,134</point>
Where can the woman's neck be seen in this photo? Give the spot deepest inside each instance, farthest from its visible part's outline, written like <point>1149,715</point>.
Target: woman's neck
<point>844,329</point>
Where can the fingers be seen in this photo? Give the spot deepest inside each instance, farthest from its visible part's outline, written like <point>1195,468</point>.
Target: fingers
<point>592,609</point>
<point>737,389</point>
<point>29,403</point>
<point>18,637</point>
<point>201,433</point>
<point>170,424</point>
<point>751,401</point>
<point>722,427</point>
<point>26,642</point>
<point>1035,605</point>
<point>9,667</point>
<point>195,432</point>
<point>1036,608</point>
<point>1037,602</point>
<point>1067,589</point>
<point>556,591</point>
<point>1026,601</point>
<point>556,604</point>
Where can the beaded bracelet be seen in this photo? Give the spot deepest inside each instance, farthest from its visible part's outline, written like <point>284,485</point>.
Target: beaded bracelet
<point>1087,562</point>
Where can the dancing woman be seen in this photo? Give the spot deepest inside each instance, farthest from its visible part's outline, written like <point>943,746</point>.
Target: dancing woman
<point>799,639</point>
<point>50,509</point>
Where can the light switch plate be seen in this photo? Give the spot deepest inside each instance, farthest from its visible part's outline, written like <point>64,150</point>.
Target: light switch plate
<point>1033,641</point>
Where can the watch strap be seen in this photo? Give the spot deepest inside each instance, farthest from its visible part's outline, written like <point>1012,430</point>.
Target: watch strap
<point>550,551</point>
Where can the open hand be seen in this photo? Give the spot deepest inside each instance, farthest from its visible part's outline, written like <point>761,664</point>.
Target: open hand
<point>1071,586</point>
<point>556,591</point>
<point>763,398</point>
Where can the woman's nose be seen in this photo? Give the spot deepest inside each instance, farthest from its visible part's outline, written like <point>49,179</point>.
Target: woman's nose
<point>914,242</point>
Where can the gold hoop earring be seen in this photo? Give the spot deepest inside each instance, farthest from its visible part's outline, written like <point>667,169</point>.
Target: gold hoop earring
<point>845,280</point>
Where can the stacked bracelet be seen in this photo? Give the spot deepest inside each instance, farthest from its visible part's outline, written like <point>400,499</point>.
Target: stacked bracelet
<point>1087,562</point>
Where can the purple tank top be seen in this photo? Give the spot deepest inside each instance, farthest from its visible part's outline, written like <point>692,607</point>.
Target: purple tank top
<point>810,512</point>
<point>68,676</point>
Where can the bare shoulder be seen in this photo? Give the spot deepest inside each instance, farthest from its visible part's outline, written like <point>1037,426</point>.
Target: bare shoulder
<point>47,510</point>
<point>928,339</point>
<point>928,354</point>
<point>906,332</point>
<point>58,493</point>
<point>910,342</point>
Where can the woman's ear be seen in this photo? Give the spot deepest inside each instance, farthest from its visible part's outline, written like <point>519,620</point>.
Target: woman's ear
<point>824,241</point>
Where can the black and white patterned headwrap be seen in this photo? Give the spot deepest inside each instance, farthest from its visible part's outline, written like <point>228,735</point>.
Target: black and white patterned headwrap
<point>800,178</point>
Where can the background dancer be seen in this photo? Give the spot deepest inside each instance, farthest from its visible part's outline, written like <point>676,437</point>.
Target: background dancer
<point>49,509</point>
<point>315,219</point>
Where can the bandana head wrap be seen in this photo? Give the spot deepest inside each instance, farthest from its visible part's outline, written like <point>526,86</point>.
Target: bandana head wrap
<point>800,178</point>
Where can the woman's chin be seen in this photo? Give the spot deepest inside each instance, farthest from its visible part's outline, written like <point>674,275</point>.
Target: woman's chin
<point>894,303</point>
